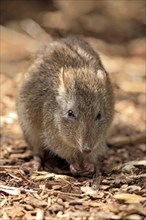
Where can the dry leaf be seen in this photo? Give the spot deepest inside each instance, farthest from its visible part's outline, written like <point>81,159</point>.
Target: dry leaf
<point>16,212</point>
<point>129,198</point>
<point>40,214</point>
<point>10,190</point>
<point>92,193</point>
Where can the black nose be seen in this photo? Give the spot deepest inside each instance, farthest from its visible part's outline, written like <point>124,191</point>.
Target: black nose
<point>86,149</point>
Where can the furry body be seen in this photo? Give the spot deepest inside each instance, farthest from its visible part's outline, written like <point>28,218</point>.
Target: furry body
<point>67,75</point>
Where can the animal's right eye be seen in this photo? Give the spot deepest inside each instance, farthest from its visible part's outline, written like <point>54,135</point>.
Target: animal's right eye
<point>98,117</point>
<point>71,114</point>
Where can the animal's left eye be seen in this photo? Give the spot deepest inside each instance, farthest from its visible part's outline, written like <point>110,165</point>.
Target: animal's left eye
<point>98,117</point>
<point>71,114</point>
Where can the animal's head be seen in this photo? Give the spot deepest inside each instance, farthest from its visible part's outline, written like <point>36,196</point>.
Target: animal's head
<point>85,107</point>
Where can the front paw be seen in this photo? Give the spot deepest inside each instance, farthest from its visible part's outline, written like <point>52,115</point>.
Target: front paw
<point>87,169</point>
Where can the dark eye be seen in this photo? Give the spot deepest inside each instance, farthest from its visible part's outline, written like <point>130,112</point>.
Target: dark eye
<point>71,114</point>
<point>98,117</point>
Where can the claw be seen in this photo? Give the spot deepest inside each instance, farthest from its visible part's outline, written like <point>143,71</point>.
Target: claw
<point>86,170</point>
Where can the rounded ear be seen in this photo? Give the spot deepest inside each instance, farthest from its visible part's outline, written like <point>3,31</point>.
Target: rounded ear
<point>101,74</point>
<point>66,84</point>
<point>66,78</point>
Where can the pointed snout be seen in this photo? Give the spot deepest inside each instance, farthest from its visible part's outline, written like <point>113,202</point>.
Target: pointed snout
<point>86,148</point>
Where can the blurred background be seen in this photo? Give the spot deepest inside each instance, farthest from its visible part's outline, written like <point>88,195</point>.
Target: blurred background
<point>114,28</point>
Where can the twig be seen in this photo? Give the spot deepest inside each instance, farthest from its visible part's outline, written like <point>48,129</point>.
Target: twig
<point>68,194</point>
<point>120,141</point>
<point>143,175</point>
<point>9,167</point>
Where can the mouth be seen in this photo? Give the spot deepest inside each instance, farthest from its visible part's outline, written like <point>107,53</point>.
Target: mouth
<point>85,156</point>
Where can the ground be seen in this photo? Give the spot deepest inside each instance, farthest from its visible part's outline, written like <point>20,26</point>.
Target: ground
<point>120,191</point>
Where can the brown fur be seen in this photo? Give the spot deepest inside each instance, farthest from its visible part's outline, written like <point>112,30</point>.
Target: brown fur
<point>66,75</point>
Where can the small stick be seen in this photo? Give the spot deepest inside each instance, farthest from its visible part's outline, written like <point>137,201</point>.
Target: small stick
<point>120,141</point>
